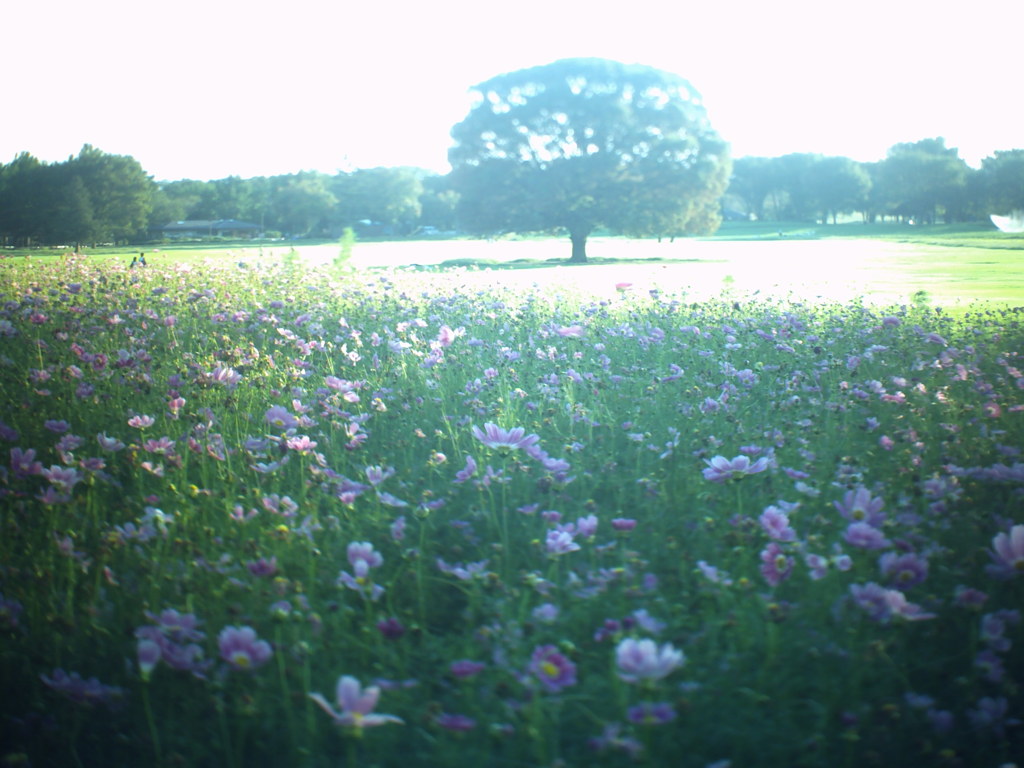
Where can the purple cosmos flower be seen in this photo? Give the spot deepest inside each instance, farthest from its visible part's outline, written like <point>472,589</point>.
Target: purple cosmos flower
<point>467,472</point>
<point>356,705</point>
<point>721,469</point>
<point>560,542</point>
<point>714,574</point>
<point>643,660</point>
<point>553,669</point>
<point>990,714</point>
<point>495,437</point>
<point>865,536</point>
<point>1008,553</point>
<point>363,557</point>
<point>858,506</point>
<point>993,629</point>
<point>903,570</point>
<point>224,376</point>
<point>149,655</point>
<point>109,443</point>
<point>623,524</point>
<point>610,739</point>
<point>280,417</point>
<point>648,623</point>
<point>454,722</point>
<point>263,567</point>
<point>818,566</point>
<point>173,634</point>
<point>651,713</point>
<point>586,527</point>
<point>240,648</point>
<point>62,478</point>
<point>24,464</point>
<point>465,572</point>
<point>463,668</point>
<point>546,613</point>
<point>391,628</point>
<point>10,610</point>
<point>86,692</point>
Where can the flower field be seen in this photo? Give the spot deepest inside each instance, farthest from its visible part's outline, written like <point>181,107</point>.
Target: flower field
<point>295,516</point>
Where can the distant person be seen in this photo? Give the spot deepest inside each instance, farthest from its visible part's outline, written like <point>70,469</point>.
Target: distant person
<point>142,259</point>
<point>135,260</point>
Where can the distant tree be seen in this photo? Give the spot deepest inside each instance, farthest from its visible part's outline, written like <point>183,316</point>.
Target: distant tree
<point>794,172</point>
<point>388,196</point>
<point>583,143</point>
<point>923,180</point>
<point>1001,182</point>
<point>753,180</point>
<point>120,193</point>
<point>184,200</point>
<point>836,185</point>
<point>22,200</point>
<point>70,218</point>
<point>302,203</point>
<point>438,203</point>
<point>166,207</point>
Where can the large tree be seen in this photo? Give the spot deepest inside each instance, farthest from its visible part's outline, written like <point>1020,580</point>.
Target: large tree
<point>120,193</point>
<point>923,179</point>
<point>1002,181</point>
<point>583,143</point>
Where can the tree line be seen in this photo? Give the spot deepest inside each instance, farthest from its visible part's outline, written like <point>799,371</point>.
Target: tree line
<point>96,197</point>
<point>923,181</point>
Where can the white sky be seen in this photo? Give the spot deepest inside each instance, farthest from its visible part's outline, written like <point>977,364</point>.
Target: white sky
<point>205,89</point>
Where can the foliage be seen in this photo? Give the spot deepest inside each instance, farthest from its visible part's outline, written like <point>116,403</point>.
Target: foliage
<point>583,143</point>
<point>1002,181</point>
<point>94,197</point>
<point>550,528</point>
<point>923,180</point>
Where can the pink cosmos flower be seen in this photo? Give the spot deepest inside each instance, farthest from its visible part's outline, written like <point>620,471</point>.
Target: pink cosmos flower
<point>560,542</point>
<point>721,469</point>
<point>643,660</point>
<point>356,705</point>
<point>227,377</point>
<point>552,668</point>
<point>1008,553</point>
<point>775,523</point>
<point>883,604</point>
<point>495,437</point>
<point>776,566</point>
<point>240,648</point>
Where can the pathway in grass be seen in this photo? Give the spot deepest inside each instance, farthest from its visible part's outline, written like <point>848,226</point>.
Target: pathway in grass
<point>840,270</point>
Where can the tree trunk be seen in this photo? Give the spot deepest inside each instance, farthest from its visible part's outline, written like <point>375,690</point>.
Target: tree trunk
<point>579,247</point>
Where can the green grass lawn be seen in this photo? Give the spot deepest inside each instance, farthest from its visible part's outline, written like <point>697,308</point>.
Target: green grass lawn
<point>945,264</point>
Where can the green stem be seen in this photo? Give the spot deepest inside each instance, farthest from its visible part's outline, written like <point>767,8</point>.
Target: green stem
<point>285,690</point>
<point>154,735</point>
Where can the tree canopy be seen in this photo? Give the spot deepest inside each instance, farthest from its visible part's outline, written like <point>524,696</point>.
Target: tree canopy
<point>583,143</point>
